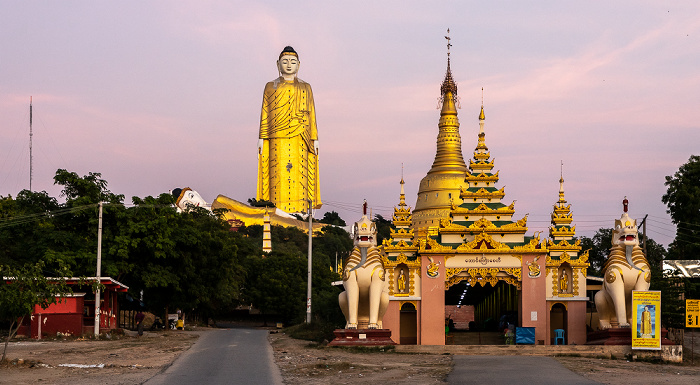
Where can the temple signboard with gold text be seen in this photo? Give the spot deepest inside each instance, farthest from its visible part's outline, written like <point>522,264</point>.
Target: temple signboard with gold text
<point>646,320</point>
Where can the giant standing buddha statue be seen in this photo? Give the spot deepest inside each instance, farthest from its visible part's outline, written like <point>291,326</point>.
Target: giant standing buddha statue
<point>288,142</point>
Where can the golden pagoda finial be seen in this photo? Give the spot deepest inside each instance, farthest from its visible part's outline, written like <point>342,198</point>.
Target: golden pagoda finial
<point>402,196</point>
<point>448,85</point>
<point>561,184</point>
<point>481,114</point>
<point>448,43</point>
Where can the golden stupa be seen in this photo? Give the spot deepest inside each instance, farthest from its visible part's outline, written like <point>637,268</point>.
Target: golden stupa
<point>440,188</point>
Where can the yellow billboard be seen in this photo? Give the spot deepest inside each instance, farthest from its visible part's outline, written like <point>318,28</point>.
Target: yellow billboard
<point>646,320</point>
<point>692,313</point>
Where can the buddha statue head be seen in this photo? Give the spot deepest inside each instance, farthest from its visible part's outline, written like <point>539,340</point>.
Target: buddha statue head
<point>187,197</point>
<point>288,63</point>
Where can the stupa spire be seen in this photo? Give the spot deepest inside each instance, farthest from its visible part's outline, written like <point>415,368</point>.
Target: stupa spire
<point>442,184</point>
<point>562,216</point>
<point>448,157</point>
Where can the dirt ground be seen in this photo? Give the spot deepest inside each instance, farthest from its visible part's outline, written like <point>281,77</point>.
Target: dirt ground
<point>132,360</point>
<point>303,363</point>
<point>128,360</point>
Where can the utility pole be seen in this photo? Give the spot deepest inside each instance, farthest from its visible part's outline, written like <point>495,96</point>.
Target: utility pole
<point>99,272</point>
<point>644,234</point>
<point>308,288</point>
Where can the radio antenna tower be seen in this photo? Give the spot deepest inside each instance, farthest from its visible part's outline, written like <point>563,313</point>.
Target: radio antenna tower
<point>31,133</point>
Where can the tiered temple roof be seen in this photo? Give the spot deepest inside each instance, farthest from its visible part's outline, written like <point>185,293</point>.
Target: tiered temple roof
<point>481,210</point>
<point>561,232</point>
<point>401,239</point>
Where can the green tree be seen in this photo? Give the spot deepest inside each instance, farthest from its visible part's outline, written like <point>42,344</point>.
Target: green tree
<point>183,260</point>
<point>277,282</point>
<point>333,218</point>
<point>599,247</point>
<point>26,226</point>
<point>22,288</point>
<point>384,227</point>
<point>683,201</point>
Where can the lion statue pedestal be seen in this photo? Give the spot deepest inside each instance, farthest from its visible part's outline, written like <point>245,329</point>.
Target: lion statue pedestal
<point>366,295</point>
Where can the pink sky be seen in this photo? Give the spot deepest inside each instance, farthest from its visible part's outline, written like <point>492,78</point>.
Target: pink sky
<point>157,95</point>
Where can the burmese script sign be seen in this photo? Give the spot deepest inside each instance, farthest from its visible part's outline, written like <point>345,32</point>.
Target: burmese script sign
<point>483,260</point>
<point>646,320</point>
<point>692,313</point>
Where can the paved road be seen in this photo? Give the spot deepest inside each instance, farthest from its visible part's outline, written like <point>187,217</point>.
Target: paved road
<point>484,370</point>
<point>224,356</point>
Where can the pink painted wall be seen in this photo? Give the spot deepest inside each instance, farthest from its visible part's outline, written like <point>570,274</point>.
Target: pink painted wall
<point>432,325</point>
<point>392,320</point>
<point>577,323</point>
<point>534,299</point>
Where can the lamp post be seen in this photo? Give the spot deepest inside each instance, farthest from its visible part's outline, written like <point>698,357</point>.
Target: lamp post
<point>308,288</point>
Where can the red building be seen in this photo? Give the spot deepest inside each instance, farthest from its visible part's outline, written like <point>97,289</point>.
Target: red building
<point>74,314</point>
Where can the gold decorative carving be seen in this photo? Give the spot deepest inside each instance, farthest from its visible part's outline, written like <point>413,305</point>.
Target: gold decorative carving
<point>482,209</point>
<point>447,225</point>
<point>482,223</point>
<point>482,192</point>
<point>610,276</point>
<point>581,261</point>
<point>519,225</point>
<point>414,303</point>
<point>432,246</point>
<point>533,246</point>
<point>563,245</point>
<point>433,268</point>
<point>391,281</point>
<point>484,243</point>
<point>482,276</point>
<point>534,268</point>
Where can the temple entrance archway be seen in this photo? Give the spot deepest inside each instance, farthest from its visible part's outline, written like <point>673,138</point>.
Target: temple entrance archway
<point>408,324</point>
<point>558,315</point>
<point>481,312</point>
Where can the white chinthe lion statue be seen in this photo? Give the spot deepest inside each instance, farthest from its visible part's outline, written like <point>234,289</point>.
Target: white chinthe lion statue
<point>366,295</point>
<point>625,270</point>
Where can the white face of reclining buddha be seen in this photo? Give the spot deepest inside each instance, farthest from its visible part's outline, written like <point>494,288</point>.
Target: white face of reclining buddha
<point>625,232</point>
<point>191,198</point>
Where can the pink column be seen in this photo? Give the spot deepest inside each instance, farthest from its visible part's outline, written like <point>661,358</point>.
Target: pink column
<point>534,299</point>
<point>576,318</point>
<point>392,320</point>
<point>432,312</point>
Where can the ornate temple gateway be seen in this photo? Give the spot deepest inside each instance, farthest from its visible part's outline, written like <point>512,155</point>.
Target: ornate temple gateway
<point>460,233</point>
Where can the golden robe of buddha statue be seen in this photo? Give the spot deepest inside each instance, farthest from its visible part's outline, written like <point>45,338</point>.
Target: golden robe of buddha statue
<point>402,282</point>
<point>564,282</point>
<point>288,142</point>
<point>646,322</point>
